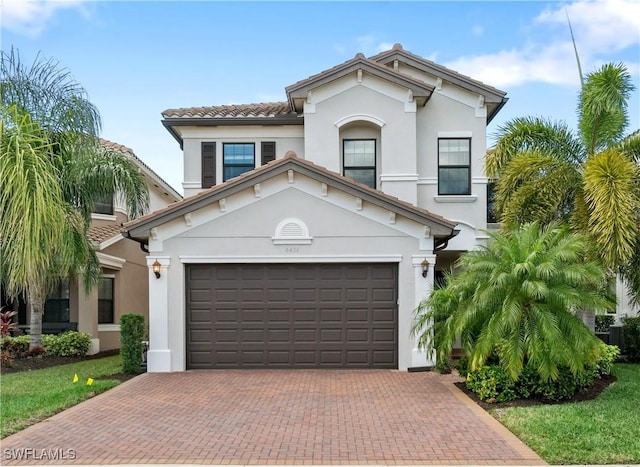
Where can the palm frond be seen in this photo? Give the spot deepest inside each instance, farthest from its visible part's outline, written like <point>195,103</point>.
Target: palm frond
<point>602,107</point>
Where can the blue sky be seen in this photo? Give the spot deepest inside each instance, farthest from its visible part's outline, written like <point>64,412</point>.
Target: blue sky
<point>136,59</point>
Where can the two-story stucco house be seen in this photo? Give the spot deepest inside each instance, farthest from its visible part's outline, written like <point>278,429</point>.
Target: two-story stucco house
<point>312,228</point>
<point>123,285</point>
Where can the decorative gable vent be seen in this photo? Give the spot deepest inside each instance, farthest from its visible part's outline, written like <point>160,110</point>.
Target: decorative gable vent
<point>292,231</point>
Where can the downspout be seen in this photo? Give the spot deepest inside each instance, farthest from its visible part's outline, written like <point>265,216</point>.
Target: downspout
<point>144,245</point>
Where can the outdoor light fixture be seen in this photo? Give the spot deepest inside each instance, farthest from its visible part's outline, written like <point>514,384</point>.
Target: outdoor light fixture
<point>425,267</point>
<point>156,268</point>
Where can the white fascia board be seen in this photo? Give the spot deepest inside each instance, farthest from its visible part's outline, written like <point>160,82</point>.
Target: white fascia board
<point>111,262</point>
<point>110,241</point>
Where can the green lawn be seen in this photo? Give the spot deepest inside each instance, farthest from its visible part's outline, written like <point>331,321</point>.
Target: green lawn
<point>602,431</point>
<point>30,396</point>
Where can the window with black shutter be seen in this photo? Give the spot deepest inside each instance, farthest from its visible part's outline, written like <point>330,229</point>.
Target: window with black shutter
<point>268,151</point>
<point>208,165</point>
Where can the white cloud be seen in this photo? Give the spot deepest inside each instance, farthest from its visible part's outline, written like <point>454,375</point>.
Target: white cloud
<point>31,17</point>
<point>600,27</point>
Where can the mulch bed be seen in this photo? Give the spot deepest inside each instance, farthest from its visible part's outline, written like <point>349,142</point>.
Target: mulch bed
<point>592,392</point>
<point>38,363</point>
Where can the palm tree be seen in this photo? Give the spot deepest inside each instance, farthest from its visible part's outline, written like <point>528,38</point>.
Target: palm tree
<point>52,170</point>
<point>515,298</point>
<point>545,172</point>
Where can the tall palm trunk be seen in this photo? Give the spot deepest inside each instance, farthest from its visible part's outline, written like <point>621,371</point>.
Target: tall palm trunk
<point>36,302</point>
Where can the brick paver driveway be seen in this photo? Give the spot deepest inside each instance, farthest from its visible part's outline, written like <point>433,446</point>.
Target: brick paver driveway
<point>273,417</point>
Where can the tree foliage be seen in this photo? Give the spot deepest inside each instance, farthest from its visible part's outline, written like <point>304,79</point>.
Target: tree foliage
<point>52,169</point>
<point>545,172</point>
<point>515,298</point>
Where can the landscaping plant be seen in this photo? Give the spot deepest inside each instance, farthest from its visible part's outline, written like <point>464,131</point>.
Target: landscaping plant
<point>131,336</point>
<point>53,169</point>
<point>515,299</point>
<point>547,173</point>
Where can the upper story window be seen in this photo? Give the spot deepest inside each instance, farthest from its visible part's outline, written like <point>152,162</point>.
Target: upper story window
<point>359,160</point>
<point>104,205</point>
<point>238,158</point>
<point>454,166</point>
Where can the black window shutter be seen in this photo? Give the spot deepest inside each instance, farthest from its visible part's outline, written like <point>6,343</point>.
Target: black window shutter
<point>268,151</point>
<point>208,165</point>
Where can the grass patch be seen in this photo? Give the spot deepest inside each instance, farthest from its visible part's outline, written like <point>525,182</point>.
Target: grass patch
<point>31,396</point>
<point>605,430</point>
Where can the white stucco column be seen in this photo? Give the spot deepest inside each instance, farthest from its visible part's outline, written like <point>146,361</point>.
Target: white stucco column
<point>423,287</point>
<point>159,355</point>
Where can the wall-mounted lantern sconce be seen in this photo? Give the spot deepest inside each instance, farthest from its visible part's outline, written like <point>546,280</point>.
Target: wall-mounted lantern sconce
<point>156,268</point>
<point>425,267</point>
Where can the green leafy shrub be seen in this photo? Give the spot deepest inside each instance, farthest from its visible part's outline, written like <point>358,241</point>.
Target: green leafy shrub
<point>16,347</point>
<point>608,356</point>
<point>68,344</point>
<point>603,322</point>
<point>492,384</point>
<point>131,336</point>
<point>463,367</point>
<point>631,334</point>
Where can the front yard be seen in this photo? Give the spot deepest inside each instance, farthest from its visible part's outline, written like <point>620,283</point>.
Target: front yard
<point>605,430</point>
<point>31,396</point>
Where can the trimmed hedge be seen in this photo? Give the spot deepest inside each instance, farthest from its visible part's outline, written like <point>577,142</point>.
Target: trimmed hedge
<point>69,344</point>
<point>131,336</point>
<point>492,384</point>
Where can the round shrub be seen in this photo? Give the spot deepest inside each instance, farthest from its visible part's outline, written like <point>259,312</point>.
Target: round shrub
<point>68,344</point>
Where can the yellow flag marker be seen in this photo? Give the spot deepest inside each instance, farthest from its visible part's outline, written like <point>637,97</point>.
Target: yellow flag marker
<point>89,381</point>
<point>75,378</point>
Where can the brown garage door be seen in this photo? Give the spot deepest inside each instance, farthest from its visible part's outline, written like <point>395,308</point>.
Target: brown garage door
<point>292,316</point>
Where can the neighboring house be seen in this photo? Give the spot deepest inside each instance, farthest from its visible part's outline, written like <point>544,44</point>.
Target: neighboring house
<point>312,228</point>
<point>123,286</point>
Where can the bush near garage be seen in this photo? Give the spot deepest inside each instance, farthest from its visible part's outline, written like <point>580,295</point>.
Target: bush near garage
<point>492,384</point>
<point>131,336</point>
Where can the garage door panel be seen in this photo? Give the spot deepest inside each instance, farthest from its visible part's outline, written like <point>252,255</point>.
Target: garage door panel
<point>355,315</point>
<point>279,335</point>
<point>305,336</point>
<point>292,315</point>
<point>331,315</point>
<point>331,336</point>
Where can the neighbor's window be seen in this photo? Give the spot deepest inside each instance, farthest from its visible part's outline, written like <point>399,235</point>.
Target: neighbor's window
<point>454,166</point>
<point>359,160</point>
<point>238,158</point>
<point>56,307</point>
<point>105,301</point>
<point>104,205</point>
